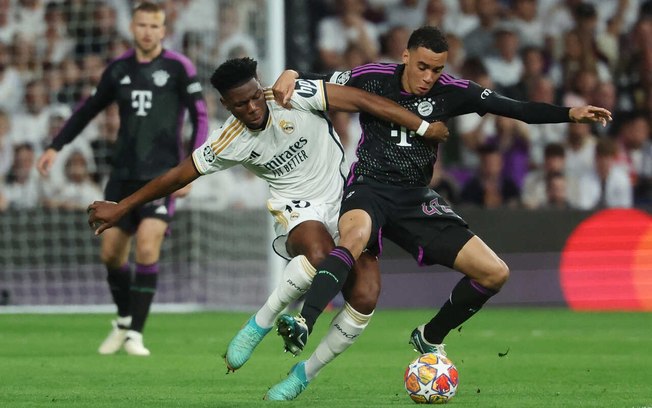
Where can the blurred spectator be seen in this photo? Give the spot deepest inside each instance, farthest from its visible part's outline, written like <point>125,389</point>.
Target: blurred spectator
<point>580,156</point>
<point>337,33</point>
<point>393,44</point>
<point>32,125</point>
<point>444,184</point>
<point>78,189</point>
<point>70,92</point>
<point>506,66</point>
<point>108,123</point>
<point>12,88</point>
<point>7,22</point>
<point>408,13</point>
<point>100,33</point>
<point>634,151</point>
<point>635,71</point>
<point>233,41</point>
<point>556,192</point>
<point>533,69</point>
<point>576,58</point>
<point>512,139</point>
<point>24,58</point>
<point>29,19</point>
<point>490,188</point>
<point>22,190</point>
<point>604,95</point>
<point>607,185</point>
<point>6,149</point>
<point>461,18</point>
<point>529,28</point>
<point>456,55</point>
<point>535,185</point>
<point>542,90</point>
<point>581,88</point>
<point>480,41</point>
<point>55,45</point>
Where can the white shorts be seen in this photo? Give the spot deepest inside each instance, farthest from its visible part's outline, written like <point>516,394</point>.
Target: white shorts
<point>290,213</point>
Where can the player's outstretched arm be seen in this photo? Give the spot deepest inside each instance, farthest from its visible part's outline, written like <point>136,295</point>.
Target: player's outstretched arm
<point>103,215</point>
<point>350,99</point>
<point>45,162</point>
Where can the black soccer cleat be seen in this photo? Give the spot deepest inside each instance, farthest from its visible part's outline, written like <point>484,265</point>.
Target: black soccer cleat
<point>294,332</point>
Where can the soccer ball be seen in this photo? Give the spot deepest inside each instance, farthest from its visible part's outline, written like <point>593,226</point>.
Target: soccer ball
<point>431,379</point>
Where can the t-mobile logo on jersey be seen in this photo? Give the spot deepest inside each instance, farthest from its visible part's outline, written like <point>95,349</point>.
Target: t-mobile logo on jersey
<point>141,100</point>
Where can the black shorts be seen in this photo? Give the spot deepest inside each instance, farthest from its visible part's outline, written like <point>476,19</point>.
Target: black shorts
<point>415,218</point>
<point>162,209</point>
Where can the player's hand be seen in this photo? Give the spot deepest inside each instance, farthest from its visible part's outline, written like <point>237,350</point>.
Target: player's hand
<point>590,114</point>
<point>284,87</point>
<point>437,132</point>
<point>183,191</point>
<point>45,162</point>
<point>103,215</point>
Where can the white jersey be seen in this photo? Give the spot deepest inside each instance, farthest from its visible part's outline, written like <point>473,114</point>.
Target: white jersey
<point>298,153</point>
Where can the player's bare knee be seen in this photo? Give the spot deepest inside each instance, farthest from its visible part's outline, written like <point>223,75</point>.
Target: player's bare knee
<point>497,276</point>
<point>316,254</point>
<point>111,259</point>
<point>364,303</point>
<point>147,253</point>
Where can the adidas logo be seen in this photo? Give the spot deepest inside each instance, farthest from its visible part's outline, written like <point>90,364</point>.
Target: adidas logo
<point>126,80</point>
<point>161,210</point>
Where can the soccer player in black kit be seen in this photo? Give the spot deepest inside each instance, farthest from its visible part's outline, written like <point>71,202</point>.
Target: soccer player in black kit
<point>387,193</point>
<point>153,88</point>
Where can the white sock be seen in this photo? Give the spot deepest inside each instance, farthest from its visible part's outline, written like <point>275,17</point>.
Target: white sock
<point>344,330</point>
<point>297,277</point>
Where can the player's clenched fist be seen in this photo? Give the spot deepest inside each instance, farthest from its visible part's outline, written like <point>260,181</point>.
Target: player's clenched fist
<point>103,215</point>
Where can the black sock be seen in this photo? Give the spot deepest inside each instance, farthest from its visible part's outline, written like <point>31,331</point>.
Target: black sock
<point>119,283</point>
<point>329,280</point>
<point>466,299</point>
<point>142,293</point>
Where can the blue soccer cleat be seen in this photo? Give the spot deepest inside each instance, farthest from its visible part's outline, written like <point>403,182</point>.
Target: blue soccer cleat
<point>243,344</point>
<point>418,341</point>
<point>294,332</point>
<point>291,387</point>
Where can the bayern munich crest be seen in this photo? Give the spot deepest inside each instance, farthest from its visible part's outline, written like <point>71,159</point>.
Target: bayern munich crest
<point>425,108</point>
<point>160,77</point>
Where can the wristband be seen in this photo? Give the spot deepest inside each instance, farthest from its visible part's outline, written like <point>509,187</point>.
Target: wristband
<point>423,128</point>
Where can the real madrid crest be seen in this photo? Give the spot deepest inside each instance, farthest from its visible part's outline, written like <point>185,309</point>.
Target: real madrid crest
<point>160,77</point>
<point>288,127</point>
<point>425,108</point>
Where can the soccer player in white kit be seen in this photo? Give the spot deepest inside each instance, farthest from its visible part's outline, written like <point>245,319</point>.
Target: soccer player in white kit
<point>300,156</point>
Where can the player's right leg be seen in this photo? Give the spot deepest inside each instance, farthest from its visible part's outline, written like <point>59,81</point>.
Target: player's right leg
<point>355,229</point>
<point>308,242</point>
<point>114,254</point>
<point>361,293</point>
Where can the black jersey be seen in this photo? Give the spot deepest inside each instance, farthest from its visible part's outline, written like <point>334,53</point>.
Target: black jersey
<point>392,154</point>
<point>152,99</point>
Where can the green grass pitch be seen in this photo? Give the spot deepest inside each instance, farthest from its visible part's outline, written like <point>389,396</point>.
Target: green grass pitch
<point>556,358</point>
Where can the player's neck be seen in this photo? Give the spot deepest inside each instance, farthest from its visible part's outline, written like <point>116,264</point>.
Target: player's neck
<point>405,84</point>
<point>143,56</point>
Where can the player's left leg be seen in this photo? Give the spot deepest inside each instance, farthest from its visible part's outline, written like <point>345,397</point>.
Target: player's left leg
<point>149,238</point>
<point>308,243</point>
<point>361,293</point>
<point>485,274</point>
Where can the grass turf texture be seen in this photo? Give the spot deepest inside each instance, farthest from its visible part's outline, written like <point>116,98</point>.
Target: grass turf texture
<point>556,358</point>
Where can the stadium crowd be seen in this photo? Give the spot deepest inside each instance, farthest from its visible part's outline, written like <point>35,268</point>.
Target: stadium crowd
<point>568,52</point>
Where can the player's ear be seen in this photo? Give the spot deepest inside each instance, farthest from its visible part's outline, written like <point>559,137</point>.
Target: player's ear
<point>406,56</point>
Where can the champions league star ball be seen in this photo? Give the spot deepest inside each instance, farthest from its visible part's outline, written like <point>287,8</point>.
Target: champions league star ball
<point>431,379</point>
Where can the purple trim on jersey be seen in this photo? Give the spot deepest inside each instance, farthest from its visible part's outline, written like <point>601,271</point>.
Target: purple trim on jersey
<point>352,169</point>
<point>446,79</point>
<point>404,93</point>
<point>475,285</point>
<point>127,54</point>
<point>420,257</point>
<point>372,71</point>
<point>147,269</point>
<point>202,123</point>
<point>343,256</point>
<point>374,65</point>
<point>380,241</point>
<point>187,64</point>
<point>182,115</point>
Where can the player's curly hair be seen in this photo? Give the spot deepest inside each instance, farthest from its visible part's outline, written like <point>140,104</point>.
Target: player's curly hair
<point>428,37</point>
<point>233,73</point>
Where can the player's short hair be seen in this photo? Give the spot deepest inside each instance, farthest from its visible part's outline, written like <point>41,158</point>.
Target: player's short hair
<point>554,150</point>
<point>147,7</point>
<point>428,37</point>
<point>233,73</point>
